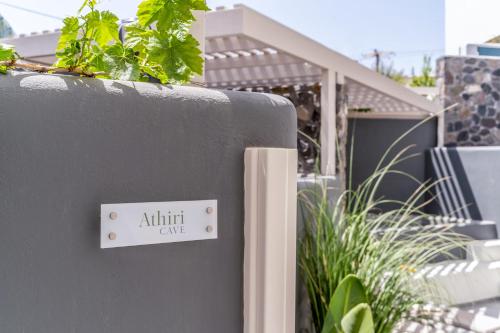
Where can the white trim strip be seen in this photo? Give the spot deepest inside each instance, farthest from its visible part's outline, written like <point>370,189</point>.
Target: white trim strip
<point>448,183</point>
<point>464,208</point>
<point>439,186</point>
<point>270,240</point>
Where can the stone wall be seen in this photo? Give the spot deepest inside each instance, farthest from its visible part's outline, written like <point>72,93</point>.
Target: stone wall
<point>306,99</point>
<point>474,84</point>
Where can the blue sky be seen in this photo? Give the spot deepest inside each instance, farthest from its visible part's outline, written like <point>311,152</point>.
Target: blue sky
<point>409,28</point>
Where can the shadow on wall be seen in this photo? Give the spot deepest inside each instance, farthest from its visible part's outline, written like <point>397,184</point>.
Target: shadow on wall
<point>370,138</point>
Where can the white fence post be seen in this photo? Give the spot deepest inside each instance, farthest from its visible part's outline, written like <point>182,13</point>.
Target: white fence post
<point>270,240</point>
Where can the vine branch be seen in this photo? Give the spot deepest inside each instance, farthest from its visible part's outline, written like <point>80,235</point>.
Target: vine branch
<point>39,68</point>
<point>47,69</point>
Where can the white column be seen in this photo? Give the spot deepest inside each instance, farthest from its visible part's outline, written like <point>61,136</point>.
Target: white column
<point>328,115</point>
<point>270,240</point>
<point>440,129</point>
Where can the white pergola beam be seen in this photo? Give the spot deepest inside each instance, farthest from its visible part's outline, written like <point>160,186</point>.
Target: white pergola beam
<point>268,73</point>
<point>233,43</point>
<point>258,27</point>
<point>252,61</point>
<point>328,123</point>
<point>266,82</point>
<point>36,45</point>
<point>223,23</point>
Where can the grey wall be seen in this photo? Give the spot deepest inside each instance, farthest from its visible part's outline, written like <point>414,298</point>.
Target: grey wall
<point>372,137</point>
<point>470,178</point>
<point>481,169</point>
<point>69,144</point>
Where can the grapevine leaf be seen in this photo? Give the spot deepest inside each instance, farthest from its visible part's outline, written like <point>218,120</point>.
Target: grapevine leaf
<point>168,14</point>
<point>69,32</point>
<point>148,11</point>
<point>188,54</point>
<point>199,5</point>
<point>137,37</point>
<point>158,46</point>
<point>7,52</point>
<point>97,63</point>
<point>178,57</point>
<point>68,57</point>
<point>90,3</point>
<point>123,64</point>
<point>103,25</point>
<point>119,62</point>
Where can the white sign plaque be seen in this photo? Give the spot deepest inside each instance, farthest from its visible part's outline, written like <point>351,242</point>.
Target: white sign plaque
<point>130,224</point>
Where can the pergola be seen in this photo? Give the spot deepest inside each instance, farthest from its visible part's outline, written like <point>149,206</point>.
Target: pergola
<point>244,49</point>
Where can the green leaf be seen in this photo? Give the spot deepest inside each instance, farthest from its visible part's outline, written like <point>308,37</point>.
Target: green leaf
<point>160,45</point>
<point>102,27</point>
<point>358,320</point>
<point>137,37</point>
<point>168,14</point>
<point>7,52</point>
<point>90,3</point>
<point>349,293</point>
<point>119,62</point>
<point>69,56</point>
<point>69,32</point>
<point>177,56</point>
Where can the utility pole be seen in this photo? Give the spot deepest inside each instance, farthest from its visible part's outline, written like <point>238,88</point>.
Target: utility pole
<point>378,55</point>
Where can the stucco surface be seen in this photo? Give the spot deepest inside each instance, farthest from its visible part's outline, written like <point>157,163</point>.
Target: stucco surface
<point>68,144</point>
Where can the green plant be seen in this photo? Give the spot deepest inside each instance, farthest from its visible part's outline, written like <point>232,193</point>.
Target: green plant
<point>425,79</point>
<point>383,248</point>
<point>391,73</point>
<point>7,56</point>
<point>349,311</point>
<point>158,45</point>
